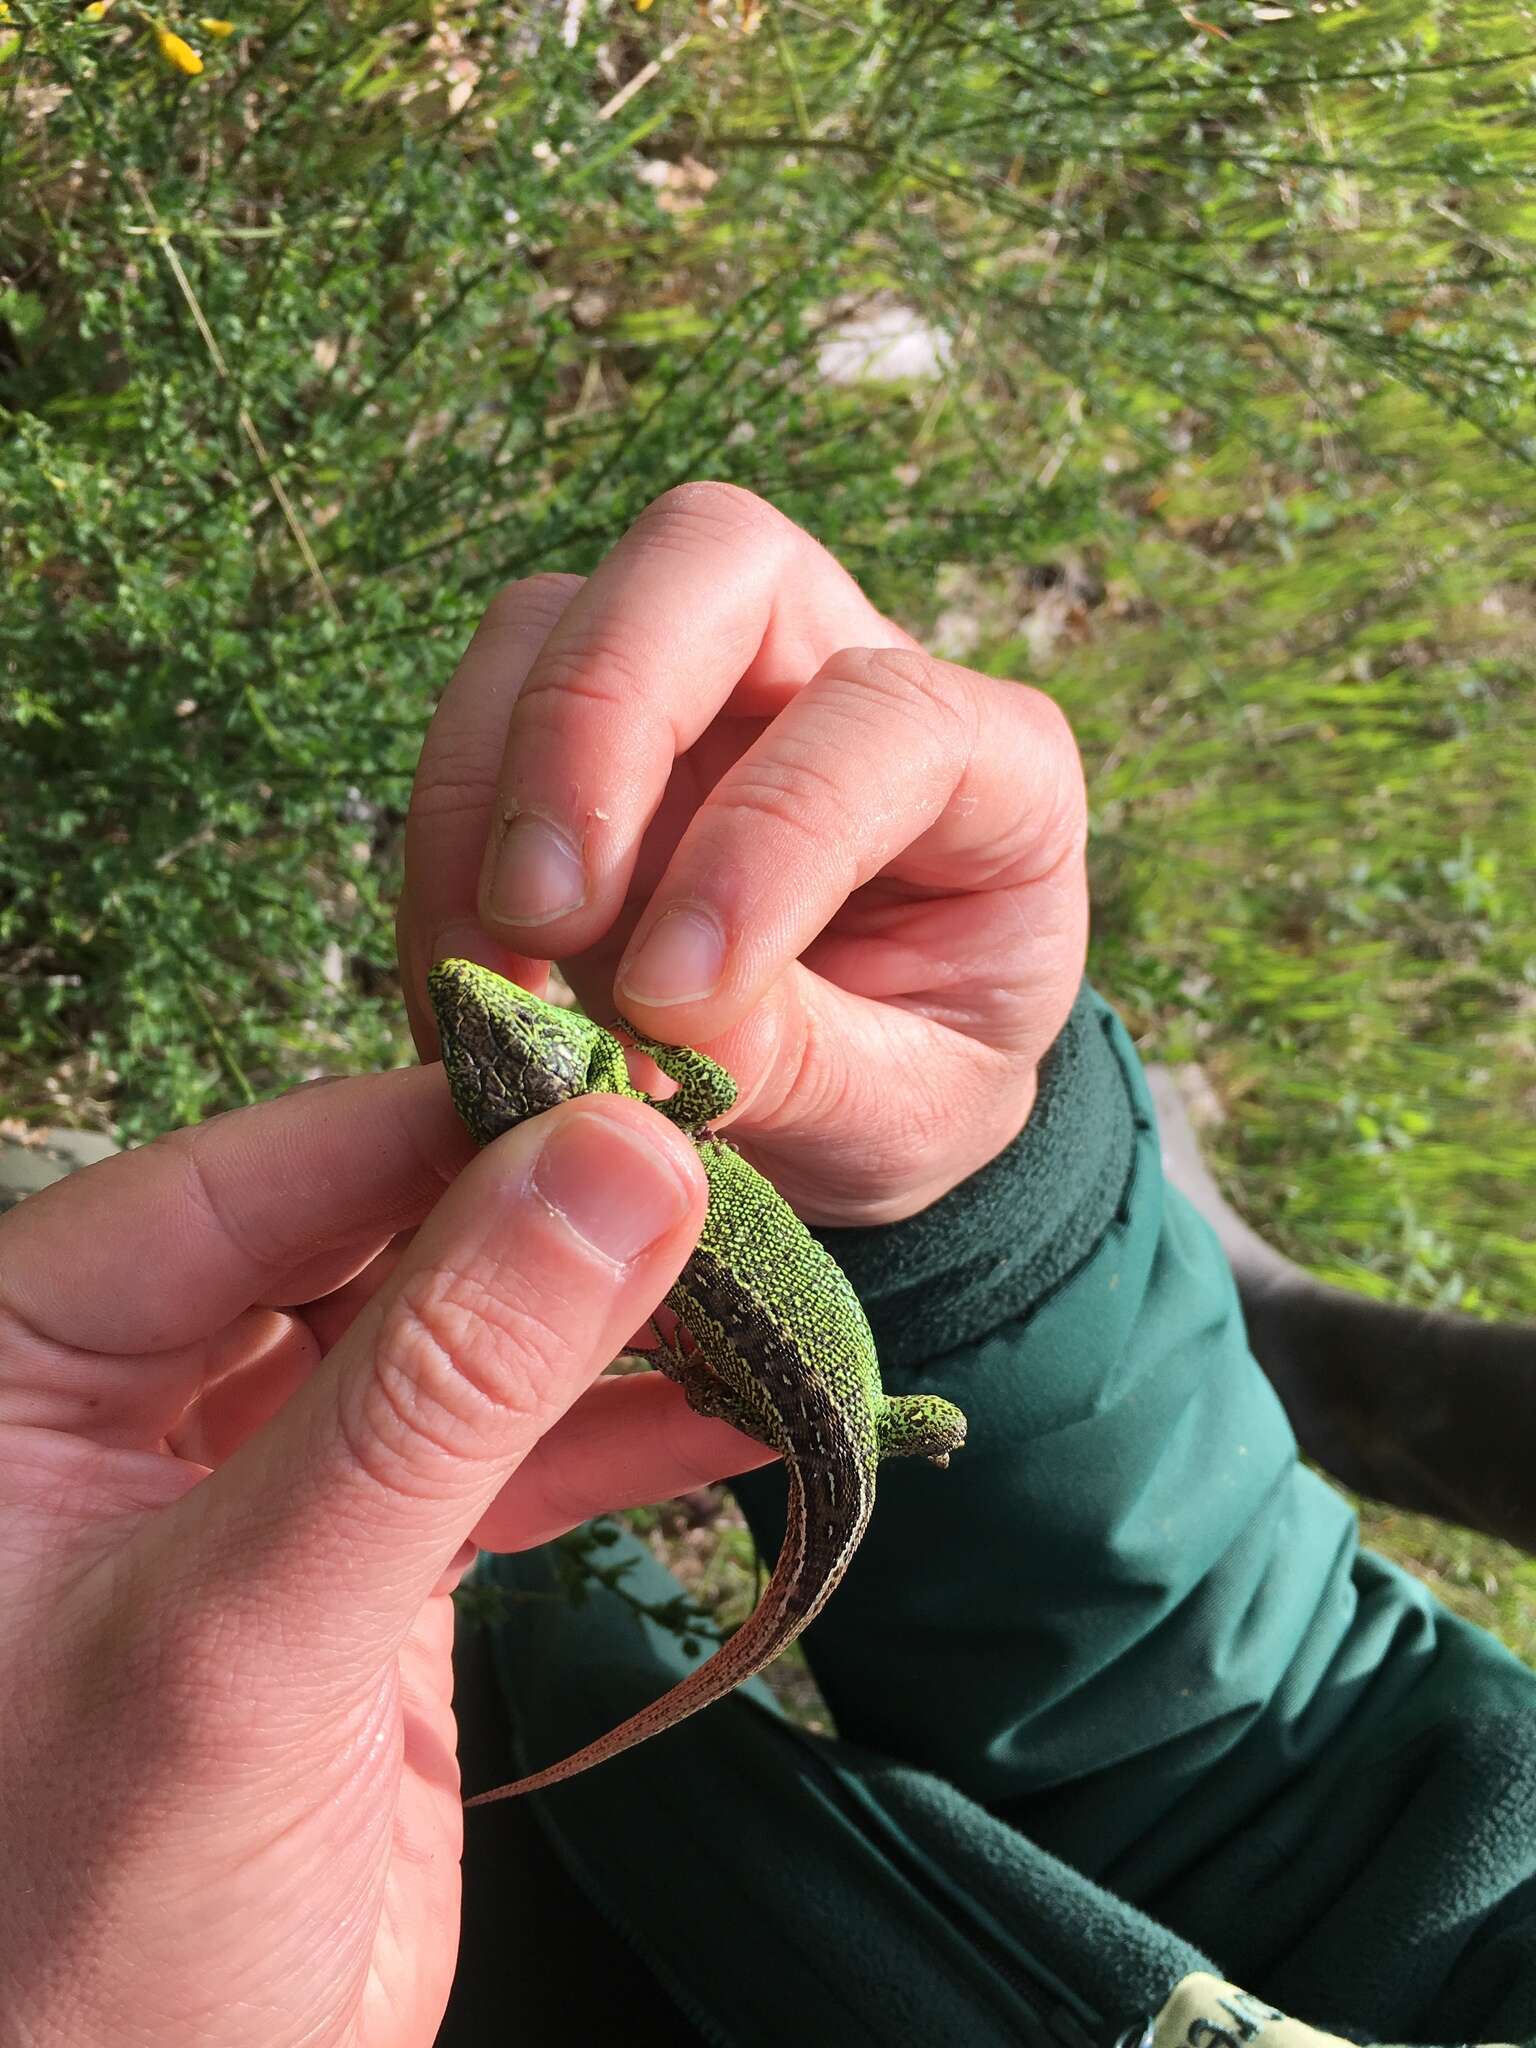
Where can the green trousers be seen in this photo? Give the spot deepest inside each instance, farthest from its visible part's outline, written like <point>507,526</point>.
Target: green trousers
<point>1118,1698</point>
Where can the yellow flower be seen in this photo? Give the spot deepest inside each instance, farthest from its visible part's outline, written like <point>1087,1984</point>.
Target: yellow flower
<point>641,6</point>
<point>97,9</point>
<point>5,12</point>
<point>214,26</point>
<point>176,52</point>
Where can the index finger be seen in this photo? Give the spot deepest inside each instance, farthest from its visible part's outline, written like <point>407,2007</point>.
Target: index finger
<point>712,600</point>
<point>112,1281</point>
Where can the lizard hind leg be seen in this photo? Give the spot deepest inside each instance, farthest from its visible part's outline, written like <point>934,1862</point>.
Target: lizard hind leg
<point>704,1390</point>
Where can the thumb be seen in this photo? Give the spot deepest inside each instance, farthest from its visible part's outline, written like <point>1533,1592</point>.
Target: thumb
<point>317,1543</point>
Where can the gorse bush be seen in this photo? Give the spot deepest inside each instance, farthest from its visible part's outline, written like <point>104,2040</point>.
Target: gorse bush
<point>299,370</point>
<point>314,333</point>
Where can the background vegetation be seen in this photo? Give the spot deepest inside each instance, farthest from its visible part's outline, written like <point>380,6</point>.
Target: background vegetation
<point>1220,423</point>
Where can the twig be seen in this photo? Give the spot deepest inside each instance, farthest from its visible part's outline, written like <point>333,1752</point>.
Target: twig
<point>246,423</point>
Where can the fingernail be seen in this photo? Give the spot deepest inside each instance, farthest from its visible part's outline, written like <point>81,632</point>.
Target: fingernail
<point>680,962</point>
<point>538,873</point>
<point>616,1192</point>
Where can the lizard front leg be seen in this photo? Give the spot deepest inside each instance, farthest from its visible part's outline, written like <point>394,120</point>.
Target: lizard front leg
<point>704,1090</point>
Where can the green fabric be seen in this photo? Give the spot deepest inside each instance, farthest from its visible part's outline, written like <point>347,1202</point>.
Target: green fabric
<point>1120,1699</point>
<point>764,1875</point>
<point>536,1965</point>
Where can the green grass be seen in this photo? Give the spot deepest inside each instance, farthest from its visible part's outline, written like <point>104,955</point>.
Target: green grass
<point>1490,1583</point>
<point>302,357</point>
<point>1310,781</point>
<point>1311,875</point>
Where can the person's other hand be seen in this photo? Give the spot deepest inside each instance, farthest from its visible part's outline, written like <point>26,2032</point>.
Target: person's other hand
<point>245,1435</point>
<point>748,813</point>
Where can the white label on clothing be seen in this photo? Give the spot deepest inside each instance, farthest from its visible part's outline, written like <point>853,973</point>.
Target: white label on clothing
<point>1203,2012</point>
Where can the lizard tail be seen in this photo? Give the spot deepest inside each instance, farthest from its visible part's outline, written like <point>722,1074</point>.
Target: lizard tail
<point>823,1531</point>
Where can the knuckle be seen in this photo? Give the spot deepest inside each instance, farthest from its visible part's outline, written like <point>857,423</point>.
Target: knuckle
<point>190,1148</point>
<point>532,600</point>
<point>1059,772</point>
<point>904,668</point>
<point>709,511</point>
<point>709,497</point>
<point>452,1367</point>
<point>791,787</point>
<point>598,669</point>
<point>906,679</point>
<point>455,789</point>
<point>793,796</point>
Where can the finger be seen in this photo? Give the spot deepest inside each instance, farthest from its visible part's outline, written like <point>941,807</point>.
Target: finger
<point>271,1355</point>
<point>276,1354</point>
<point>626,1443</point>
<point>320,1538</point>
<point>453,798</point>
<point>189,1232</point>
<point>331,1314</point>
<point>711,598</point>
<point>942,782</point>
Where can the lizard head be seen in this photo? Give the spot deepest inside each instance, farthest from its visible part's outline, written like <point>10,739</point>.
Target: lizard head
<point>508,1054</point>
<point>919,1426</point>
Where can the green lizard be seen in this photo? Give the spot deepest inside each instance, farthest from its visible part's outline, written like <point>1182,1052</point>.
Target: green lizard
<point>781,1347</point>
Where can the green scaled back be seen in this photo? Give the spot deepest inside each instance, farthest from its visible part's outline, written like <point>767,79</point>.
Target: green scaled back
<point>754,1249</point>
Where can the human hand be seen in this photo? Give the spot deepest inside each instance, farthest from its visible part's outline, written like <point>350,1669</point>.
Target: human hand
<point>246,1433</point>
<point>750,814</point>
